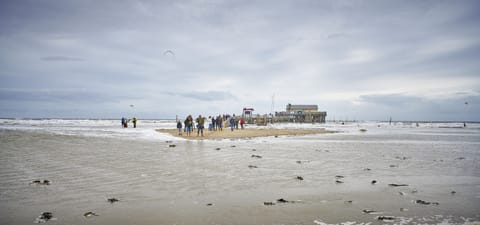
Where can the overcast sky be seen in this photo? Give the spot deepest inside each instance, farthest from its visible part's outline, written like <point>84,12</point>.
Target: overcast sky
<point>363,60</point>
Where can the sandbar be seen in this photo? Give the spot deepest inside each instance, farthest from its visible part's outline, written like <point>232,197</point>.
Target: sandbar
<point>244,133</point>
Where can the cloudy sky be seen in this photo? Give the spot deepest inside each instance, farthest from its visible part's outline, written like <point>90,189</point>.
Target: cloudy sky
<point>363,60</point>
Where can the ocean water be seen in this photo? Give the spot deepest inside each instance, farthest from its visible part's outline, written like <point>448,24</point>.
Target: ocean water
<point>219,182</point>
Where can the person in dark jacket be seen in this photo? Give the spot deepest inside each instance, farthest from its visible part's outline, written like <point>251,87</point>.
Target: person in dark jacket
<point>214,123</point>
<point>232,122</point>
<point>189,124</point>
<point>179,127</point>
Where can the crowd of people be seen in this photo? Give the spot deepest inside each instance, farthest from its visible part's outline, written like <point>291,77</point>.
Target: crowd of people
<point>216,124</point>
<point>189,124</point>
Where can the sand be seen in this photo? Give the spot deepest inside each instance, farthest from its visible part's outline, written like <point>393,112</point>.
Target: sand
<point>245,133</point>
<point>160,179</point>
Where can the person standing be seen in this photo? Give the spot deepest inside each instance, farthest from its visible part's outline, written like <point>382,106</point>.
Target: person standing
<point>123,122</point>
<point>134,121</point>
<point>219,123</point>
<point>200,125</point>
<point>232,122</point>
<point>179,127</point>
<point>189,124</point>
<point>242,122</point>
<point>214,123</point>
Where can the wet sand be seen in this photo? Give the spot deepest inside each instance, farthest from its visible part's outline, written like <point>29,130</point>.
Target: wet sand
<point>240,181</point>
<point>244,133</point>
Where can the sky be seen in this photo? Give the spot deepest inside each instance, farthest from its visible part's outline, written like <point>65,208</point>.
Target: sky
<point>356,60</point>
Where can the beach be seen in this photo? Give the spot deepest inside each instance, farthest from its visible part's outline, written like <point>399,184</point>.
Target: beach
<point>243,133</point>
<point>424,175</point>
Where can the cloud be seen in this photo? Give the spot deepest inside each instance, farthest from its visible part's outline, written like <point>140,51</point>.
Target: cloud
<point>336,36</point>
<point>61,58</point>
<point>403,106</point>
<point>444,46</point>
<point>361,56</point>
<point>206,96</point>
<point>389,56</point>
<point>392,100</point>
<point>54,95</point>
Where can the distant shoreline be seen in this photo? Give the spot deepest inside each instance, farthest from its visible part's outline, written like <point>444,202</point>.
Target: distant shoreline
<point>245,133</point>
<point>173,119</point>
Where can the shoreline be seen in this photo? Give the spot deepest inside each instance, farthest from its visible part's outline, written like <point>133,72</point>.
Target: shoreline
<point>243,133</point>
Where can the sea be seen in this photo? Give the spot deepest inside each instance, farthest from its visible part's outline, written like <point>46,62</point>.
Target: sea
<point>65,171</point>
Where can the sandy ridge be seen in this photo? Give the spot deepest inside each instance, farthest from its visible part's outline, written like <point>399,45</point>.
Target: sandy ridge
<point>245,133</point>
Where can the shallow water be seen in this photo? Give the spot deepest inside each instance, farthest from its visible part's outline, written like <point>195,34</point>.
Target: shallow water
<point>89,161</point>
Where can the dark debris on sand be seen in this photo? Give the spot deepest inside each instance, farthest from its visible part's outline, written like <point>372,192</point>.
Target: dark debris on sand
<point>338,179</point>
<point>90,214</point>
<point>386,218</point>
<point>369,211</point>
<point>44,217</point>
<point>422,202</point>
<point>44,182</point>
<point>282,200</point>
<point>112,200</point>
<point>397,185</point>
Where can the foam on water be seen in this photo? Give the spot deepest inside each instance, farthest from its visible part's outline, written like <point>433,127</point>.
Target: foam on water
<point>439,220</point>
<point>92,128</point>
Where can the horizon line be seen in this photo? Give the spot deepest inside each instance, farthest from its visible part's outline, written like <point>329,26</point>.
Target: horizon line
<point>386,121</point>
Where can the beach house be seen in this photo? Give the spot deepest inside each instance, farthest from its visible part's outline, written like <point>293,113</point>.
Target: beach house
<point>292,114</point>
<point>301,114</point>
